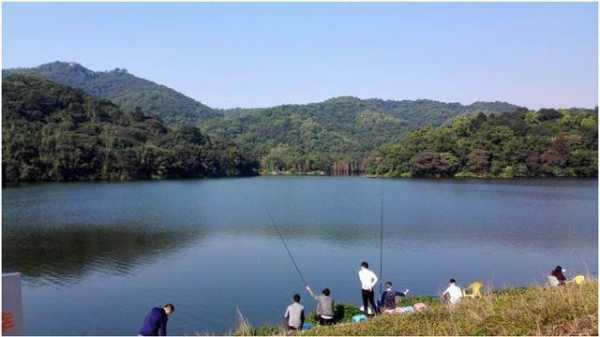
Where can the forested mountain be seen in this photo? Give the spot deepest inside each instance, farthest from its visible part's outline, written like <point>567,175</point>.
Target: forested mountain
<point>52,132</point>
<point>126,90</point>
<point>334,135</point>
<point>549,142</point>
<point>326,136</point>
<point>55,133</point>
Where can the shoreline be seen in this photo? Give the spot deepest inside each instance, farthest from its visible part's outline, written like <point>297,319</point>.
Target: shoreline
<point>533,310</point>
<point>375,176</point>
<point>36,183</point>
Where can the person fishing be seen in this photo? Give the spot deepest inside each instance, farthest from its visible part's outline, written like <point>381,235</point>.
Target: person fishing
<point>325,306</point>
<point>453,294</point>
<point>388,298</point>
<point>368,279</point>
<point>559,273</point>
<point>294,314</point>
<point>155,323</point>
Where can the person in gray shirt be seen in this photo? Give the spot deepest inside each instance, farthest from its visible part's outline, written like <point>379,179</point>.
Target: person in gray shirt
<point>294,314</point>
<point>325,306</point>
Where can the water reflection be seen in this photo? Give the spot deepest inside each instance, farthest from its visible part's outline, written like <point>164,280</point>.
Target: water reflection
<point>64,255</point>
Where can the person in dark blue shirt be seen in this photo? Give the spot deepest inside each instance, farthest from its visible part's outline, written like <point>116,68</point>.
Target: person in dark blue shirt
<point>388,298</point>
<point>155,323</point>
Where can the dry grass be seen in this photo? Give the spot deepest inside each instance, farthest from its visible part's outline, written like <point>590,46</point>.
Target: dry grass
<point>570,310</point>
<point>244,328</point>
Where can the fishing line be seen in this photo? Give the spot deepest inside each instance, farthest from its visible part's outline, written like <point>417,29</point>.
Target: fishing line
<point>381,239</point>
<point>274,225</point>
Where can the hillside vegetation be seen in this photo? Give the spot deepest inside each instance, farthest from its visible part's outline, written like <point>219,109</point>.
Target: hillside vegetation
<point>334,135</point>
<point>348,135</point>
<point>131,93</point>
<point>556,143</point>
<point>54,133</point>
<point>330,136</point>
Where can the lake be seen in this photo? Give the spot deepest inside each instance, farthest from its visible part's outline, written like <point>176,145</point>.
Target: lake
<point>97,256</point>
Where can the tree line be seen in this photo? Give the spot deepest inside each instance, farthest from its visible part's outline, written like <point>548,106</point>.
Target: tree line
<point>523,143</point>
<point>55,133</point>
<point>334,136</point>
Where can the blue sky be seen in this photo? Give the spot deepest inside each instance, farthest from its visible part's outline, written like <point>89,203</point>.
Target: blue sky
<point>263,54</point>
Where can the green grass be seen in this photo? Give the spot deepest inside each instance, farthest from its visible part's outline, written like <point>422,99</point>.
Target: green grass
<point>570,310</point>
<point>343,314</point>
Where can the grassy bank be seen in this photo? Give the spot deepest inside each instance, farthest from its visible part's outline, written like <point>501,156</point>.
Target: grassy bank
<point>570,310</point>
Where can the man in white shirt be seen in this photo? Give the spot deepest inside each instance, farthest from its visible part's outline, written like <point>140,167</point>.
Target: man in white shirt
<point>368,279</point>
<point>452,294</point>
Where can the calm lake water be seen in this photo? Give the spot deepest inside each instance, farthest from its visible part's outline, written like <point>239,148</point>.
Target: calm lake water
<point>97,256</point>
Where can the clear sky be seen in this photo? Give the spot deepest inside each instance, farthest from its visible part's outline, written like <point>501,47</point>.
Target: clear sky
<point>263,54</point>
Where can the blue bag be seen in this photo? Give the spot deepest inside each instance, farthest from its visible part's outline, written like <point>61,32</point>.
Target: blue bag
<point>359,318</point>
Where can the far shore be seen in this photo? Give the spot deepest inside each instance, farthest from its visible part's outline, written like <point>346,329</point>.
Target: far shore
<point>300,174</point>
<point>456,177</point>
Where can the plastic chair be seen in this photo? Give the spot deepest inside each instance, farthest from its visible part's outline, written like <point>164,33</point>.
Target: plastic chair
<point>579,279</point>
<point>473,290</point>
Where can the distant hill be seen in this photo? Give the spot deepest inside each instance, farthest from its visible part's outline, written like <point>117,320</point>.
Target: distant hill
<point>313,137</point>
<point>52,132</point>
<point>523,143</point>
<point>306,137</point>
<point>126,90</point>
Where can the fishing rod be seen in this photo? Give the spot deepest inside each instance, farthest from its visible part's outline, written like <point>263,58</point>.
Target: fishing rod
<point>381,239</point>
<point>293,259</point>
<point>287,249</point>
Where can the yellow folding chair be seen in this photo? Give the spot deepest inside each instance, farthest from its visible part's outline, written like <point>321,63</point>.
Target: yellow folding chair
<point>473,290</point>
<point>579,279</point>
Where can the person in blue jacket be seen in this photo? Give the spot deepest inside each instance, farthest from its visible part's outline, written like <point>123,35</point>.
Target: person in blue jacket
<point>388,298</point>
<point>155,323</point>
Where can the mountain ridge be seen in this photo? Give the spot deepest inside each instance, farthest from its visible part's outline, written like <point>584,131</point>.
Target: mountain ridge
<point>53,132</point>
<point>57,71</point>
<point>126,90</point>
<point>316,135</point>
